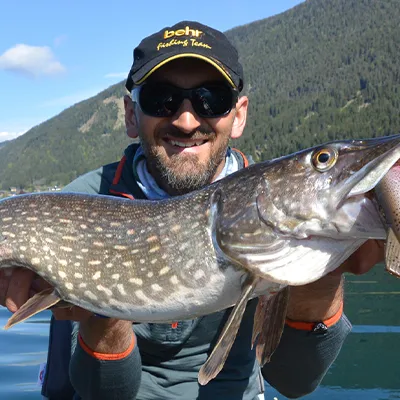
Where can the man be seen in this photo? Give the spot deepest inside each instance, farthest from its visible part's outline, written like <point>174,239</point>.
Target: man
<point>185,106</point>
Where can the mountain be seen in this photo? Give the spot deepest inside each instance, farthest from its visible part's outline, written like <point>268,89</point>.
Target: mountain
<point>324,70</point>
<point>80,138</point>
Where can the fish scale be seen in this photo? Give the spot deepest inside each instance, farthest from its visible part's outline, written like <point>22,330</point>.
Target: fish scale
<point>117,259</point>
<point>283,222</point>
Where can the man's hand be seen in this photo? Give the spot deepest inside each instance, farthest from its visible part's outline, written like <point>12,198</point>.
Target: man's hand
<point>17,285</point>
<point>369,254</point>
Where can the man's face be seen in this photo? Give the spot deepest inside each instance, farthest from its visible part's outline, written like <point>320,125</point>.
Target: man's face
<point>184,151</point>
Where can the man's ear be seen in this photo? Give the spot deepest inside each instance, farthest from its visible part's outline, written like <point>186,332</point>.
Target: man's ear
<point>130,118</point>
<point>240,118</point>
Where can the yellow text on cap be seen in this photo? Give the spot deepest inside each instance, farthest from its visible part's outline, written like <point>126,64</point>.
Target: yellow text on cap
<point>182,32</point>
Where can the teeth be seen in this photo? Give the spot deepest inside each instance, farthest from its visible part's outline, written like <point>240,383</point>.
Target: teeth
<point>187,144</point>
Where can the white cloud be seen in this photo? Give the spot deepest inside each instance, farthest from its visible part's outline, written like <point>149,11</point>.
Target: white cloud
<point>116,75</point>
<point>30,60</point>
<point>9,135</point>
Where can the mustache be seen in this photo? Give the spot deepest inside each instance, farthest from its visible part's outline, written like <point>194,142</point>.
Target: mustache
<point>198,134</point>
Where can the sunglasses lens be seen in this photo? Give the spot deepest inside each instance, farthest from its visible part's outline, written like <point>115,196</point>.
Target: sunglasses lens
<point>164,100</point>
<point>159,100</point>
<point>212,101</point>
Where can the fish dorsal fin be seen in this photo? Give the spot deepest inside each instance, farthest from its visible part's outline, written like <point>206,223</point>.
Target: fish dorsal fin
<point>392,253</point>
<point>269,321</point>
<point>217,358</point>
<point>39,302</point>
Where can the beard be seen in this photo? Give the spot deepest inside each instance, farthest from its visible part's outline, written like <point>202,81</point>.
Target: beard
<point>184,173</point>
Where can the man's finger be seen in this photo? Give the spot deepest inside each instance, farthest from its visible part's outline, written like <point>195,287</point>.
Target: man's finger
<point>369,254</point>
<point>362,261</point>
<point>18,288</point>
<point>4,281</point>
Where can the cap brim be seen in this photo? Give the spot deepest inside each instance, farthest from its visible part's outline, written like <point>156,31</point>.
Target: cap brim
<point>141,75</point>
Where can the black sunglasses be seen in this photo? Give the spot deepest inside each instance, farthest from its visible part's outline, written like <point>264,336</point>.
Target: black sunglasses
<point>210,100</point>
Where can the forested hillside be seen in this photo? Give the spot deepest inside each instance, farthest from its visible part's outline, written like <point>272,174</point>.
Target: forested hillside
<point>324,70</point>
<point>81,138</point>
<point>321,71</point>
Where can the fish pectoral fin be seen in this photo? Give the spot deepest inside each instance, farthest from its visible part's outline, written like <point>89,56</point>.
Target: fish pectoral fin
<point>269,321</point>
<point>218,356</point>
<point>61,304</point>
<point>39,302</point>
<point>392,253</point>
<point>259,317</point>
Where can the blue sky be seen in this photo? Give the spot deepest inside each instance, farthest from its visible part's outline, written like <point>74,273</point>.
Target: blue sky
<point>54,54</point>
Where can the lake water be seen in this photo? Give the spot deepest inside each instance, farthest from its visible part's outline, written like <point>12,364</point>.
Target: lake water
<point>368,367</point>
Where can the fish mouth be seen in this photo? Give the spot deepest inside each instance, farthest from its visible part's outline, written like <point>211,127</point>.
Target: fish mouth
<point>366,178</point>
<point>355,212</point>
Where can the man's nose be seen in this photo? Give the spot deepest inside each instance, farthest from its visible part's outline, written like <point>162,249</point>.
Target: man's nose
<point>186,119</point>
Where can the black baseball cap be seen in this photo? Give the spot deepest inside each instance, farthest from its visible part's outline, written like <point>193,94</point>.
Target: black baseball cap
<point>185,39</point>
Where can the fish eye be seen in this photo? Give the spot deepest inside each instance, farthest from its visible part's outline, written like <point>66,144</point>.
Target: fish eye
<point>324,159</point>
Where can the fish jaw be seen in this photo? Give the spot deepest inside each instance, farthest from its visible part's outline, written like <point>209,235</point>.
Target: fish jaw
<point>374,171</point>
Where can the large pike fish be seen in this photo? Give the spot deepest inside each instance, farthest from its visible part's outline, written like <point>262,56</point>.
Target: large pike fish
<point>283,222</point>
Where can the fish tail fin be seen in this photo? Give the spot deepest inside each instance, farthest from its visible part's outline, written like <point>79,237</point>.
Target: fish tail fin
<point>39,302</point>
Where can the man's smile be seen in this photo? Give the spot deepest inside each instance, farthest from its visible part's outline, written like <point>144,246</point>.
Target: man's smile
<point>184,145</point>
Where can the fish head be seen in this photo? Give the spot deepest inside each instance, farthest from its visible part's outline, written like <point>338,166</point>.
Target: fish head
<point>327,190</point>
<point>310,210</point>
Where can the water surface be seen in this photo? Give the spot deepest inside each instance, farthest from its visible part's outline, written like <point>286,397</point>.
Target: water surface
<point>367,368</point>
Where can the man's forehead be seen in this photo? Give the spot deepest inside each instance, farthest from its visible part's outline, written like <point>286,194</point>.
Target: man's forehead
<point>186,68</point>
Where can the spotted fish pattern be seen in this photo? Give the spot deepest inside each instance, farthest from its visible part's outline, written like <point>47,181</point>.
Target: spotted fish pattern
<point>115,252</point>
